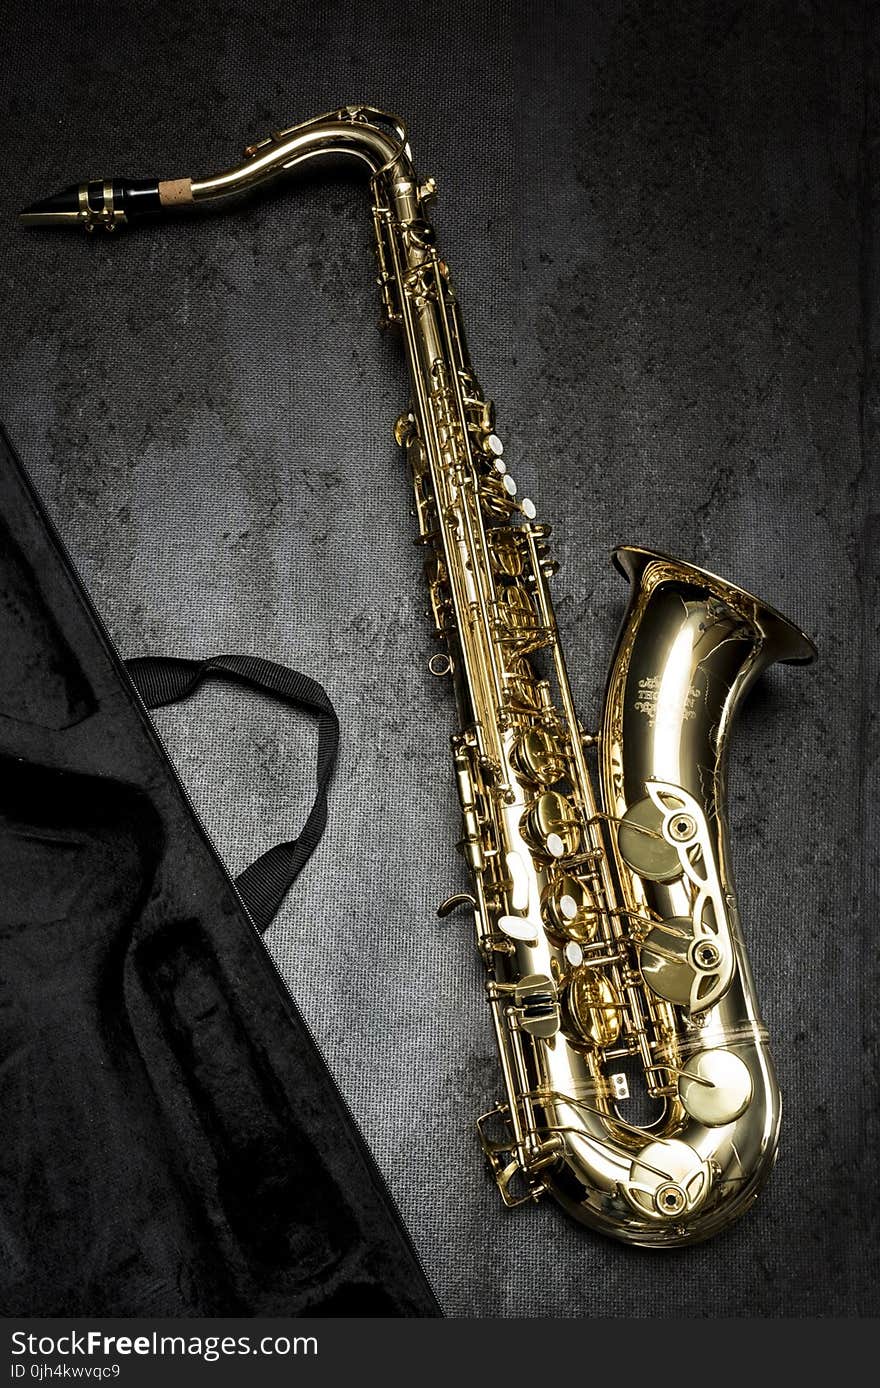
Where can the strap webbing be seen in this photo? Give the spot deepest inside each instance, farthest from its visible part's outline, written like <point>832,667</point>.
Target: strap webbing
<point>168,679</point>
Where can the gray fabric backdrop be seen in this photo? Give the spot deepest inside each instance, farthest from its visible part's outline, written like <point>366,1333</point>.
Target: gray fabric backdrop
<point>660,219</point>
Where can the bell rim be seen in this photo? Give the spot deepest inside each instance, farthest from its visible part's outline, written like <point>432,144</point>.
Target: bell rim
<point>632,560</point>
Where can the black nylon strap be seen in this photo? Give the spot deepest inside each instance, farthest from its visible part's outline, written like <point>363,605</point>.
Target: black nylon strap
<point>168,679</point>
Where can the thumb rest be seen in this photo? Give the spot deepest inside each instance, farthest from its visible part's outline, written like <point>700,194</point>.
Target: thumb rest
<point>605,916</point>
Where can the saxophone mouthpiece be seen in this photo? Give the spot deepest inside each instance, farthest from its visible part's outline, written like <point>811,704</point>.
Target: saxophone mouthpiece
<point>107,203</point>
<point>52,210</point>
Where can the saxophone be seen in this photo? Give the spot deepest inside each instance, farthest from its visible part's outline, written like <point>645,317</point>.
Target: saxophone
<point>604,906</point>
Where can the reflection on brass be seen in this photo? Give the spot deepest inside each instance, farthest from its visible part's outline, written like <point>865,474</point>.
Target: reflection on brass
<point>664,959</point>
<point>595,1007</point>
<point>571,908</point>
<point>614,887</point>
<point>516,608</point>
<point>521,685</point>
<point>715,1087</point>
<point>536,1009</point>
<point>507,556</point>
<point>552,826</point>
<point>668,1181</point>
<point>642,846</point>
<point>539,756</point>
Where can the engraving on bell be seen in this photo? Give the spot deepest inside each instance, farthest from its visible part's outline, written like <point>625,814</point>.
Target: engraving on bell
<point>642,845</point>
<point>715,1087</point>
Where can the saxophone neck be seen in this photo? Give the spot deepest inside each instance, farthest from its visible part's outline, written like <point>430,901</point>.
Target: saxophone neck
<point>363,133</point>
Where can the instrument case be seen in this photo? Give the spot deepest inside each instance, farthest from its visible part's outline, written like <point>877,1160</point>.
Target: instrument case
<point>173,1144</point>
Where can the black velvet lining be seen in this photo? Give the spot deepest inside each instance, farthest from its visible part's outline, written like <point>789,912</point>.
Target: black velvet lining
<point>41,681</point>
<point>173,1143</point>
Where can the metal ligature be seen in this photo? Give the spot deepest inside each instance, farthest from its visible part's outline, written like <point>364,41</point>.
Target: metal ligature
<point>604,907</point>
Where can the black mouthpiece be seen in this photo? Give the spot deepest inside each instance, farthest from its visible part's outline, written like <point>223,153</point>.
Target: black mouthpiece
<point>63,204</point>
<point>102,203</point>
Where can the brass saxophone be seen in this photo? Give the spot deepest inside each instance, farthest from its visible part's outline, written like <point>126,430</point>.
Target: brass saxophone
<point>605,916</point>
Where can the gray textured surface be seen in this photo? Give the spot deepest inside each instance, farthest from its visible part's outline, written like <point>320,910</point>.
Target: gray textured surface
<point>659,220</point>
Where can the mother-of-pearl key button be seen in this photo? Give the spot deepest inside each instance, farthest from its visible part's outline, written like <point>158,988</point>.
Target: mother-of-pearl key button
<point>568,908</point>
<point>494,445</point>
<point>518,928</point>
<point>519,882</point>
